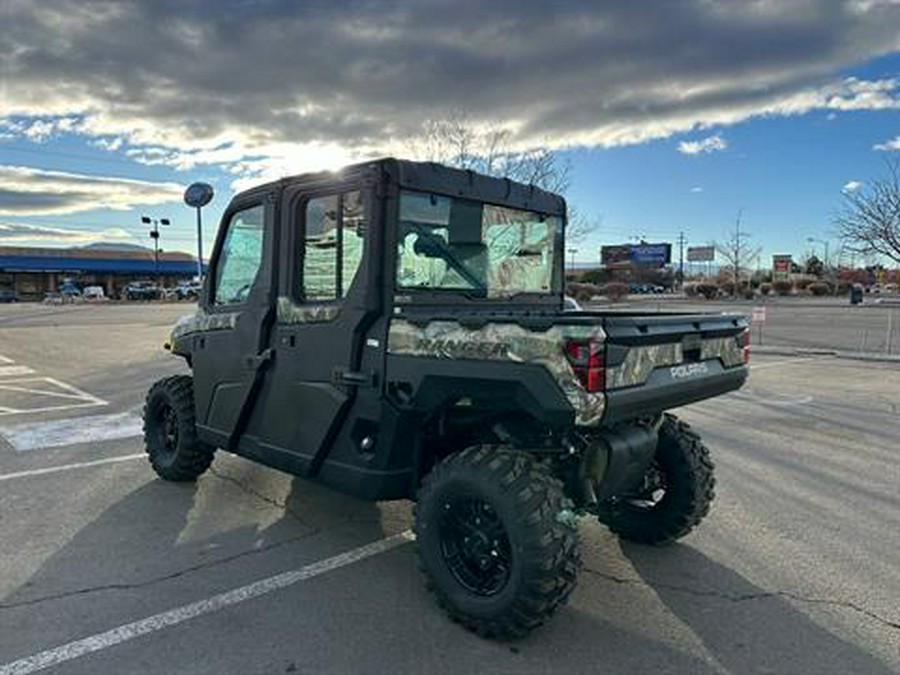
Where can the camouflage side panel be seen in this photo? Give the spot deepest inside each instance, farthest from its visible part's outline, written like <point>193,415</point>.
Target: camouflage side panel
<point>641,361</point>
<point>505,342</point>
<point>728,349</point>
<point>290,312</point>
<point>201,321</point>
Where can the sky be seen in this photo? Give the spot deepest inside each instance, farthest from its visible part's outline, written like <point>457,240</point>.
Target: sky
<point>672,115</point>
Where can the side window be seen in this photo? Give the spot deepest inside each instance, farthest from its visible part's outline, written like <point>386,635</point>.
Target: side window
<point>321,249</point>
<point>332,245</point>
<point>353,233</point>
<point>240,258</point>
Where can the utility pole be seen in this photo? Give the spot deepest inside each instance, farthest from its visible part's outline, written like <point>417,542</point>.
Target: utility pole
<point>738,247</point>
<point>681,242</point>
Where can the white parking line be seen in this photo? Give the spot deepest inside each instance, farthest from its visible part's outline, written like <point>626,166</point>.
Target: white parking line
<point>6,359</point>
<point>74,397</point>
<point>57,433</point>
<point>69,467</point>
<point>151,624</point>
<point>10,371</point>
<point>784,362</point>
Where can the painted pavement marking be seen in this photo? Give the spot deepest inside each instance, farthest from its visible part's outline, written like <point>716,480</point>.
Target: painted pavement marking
<point>151,624</point>
<point>5,359</point>
<point>70,467</point>
<point>51,395</point>
<point>785,362</point>
<point>12,371</point>
<point>57,433</point>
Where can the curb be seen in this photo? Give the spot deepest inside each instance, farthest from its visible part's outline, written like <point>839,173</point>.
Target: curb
<point>836,353</point>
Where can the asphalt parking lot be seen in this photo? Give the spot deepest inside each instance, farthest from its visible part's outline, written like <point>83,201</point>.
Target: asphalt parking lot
<point>803,322</point>
<point>105,569</point>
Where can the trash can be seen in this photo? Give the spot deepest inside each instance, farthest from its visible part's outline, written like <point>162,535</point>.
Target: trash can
<point>856,294</point>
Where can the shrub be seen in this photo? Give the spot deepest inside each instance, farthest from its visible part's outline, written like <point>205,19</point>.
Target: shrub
<point>582,292</point>
<point>765,288</point>
<point>614,291</point>
<point>782,287</point>
<point>727,287</point>
<point>803,283</point>
<point>844,287</point>
<point>595,276</point>
<point>819,288</point>
<point>748,293</point>
<point>708,290</point>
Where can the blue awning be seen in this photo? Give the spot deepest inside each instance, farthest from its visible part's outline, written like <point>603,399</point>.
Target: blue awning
<point>10,263</point>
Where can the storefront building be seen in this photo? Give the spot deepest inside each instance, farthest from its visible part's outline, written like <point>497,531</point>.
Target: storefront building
<point>33,272</point>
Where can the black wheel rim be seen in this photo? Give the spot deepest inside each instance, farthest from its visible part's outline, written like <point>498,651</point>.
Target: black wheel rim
<point>474,545</point>
<point>652,491</point>
<point>167,429</point>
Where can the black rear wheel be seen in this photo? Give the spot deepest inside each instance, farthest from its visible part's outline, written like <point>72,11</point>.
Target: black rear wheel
<point>491,544</point>
<point>676,492</point>
<point>170,436</point>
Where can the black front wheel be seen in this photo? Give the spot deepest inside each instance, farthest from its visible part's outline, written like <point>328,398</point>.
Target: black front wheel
<point>170,436</point>
<point>491,543</point>
<point>675,494</point>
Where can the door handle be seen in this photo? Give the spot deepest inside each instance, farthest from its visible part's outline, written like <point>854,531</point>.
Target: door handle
<point>353,378</point>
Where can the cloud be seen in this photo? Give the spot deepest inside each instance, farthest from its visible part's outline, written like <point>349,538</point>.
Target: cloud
<point>852,186</point>
<point>696,189</point>
<point>25,191</point>
<point>705,146</point>
<point>20,232</point>
<point>270,85</point>
<point>892,144</point>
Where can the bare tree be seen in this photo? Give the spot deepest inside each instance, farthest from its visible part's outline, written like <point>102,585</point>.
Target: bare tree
<point>736,251</point>
<point>869,223</point>
<point>456,141</point>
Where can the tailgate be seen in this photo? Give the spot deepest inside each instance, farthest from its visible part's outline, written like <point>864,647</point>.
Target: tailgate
<point>657,362</point>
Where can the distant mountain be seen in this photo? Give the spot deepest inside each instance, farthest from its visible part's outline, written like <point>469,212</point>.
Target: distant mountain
<point>114,246</point>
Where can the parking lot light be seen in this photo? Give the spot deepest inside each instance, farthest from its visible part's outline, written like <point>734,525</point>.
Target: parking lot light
<point>154,235</point>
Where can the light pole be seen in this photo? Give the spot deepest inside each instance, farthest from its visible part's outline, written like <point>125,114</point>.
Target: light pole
<point>154,235</point>
<point>197,196</point>
<point>572,252</point>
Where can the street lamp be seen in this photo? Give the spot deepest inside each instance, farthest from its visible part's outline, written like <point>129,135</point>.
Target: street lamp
<point>154,235</point>
<point>814,240</point>
<point>825,266</point>
<point>572,252</point>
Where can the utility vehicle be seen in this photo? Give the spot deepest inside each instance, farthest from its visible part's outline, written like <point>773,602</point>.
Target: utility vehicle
<point>396,330</point>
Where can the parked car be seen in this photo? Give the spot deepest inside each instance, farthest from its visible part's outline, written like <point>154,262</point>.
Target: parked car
<point>504,418</point>
<point>8,295</point>
<point>189,290</point>
<point>94,293</point>
<point>69,290</point>
<point>141,290</point>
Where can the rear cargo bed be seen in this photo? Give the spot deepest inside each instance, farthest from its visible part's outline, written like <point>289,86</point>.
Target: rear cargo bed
<point>656,362</point>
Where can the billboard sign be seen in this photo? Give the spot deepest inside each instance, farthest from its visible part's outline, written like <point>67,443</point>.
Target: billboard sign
<point>651,254</point>
<point>615,255</point>
<point>701,253</point>
<point>781,267</point>
<point>636,254</point>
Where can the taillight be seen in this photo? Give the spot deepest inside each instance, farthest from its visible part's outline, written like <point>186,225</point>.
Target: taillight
<point>744,342</point>
<point>587,360</point>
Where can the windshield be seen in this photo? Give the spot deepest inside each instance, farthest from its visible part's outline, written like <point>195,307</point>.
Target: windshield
<point>485,250</point>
